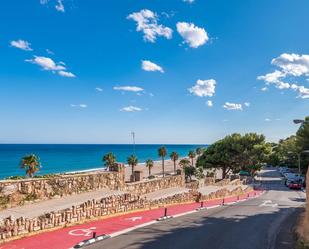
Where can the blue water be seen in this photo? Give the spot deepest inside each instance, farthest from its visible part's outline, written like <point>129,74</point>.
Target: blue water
<point>60,158</point>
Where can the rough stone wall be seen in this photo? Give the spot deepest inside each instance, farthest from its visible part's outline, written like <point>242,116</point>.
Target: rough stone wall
<point>145,187</point>
<point>19,192</point>
<point>223,182</point>
<point>221,193</point>
<point>10,227</point>
<point>93,208</point>
<point>209,181</point>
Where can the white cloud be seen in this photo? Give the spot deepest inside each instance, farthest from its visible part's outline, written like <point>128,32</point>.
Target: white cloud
<point>293,64</point>
<point>209,103</point>
<point>232,106</point>
<point>188,1</point>
<point>147,22</point>
<point>99,89</point>
<point>21,44</point>
<point>79,105</point>
<point>66,74</point>
<point>267,119</point>
<point>247,104</point>
<point>44,1</point>
<point>59,6</point>
<point>275,78</point>
<point>303,92</point>
<point>131,108</point>
<point>128,88</point>
<point>48,64</point>
<point>192,35</point>
<point>49,51</point>
<point>264,89</point>
<point>203,88</point>
<point>151,67</point>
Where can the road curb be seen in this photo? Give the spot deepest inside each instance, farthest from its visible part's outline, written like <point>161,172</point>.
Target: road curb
<point>91,241</point>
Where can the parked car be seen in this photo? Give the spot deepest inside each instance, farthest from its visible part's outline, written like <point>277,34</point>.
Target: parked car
<point>295,185</point>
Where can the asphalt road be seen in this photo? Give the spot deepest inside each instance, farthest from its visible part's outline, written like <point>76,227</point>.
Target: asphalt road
<point>253,224</point>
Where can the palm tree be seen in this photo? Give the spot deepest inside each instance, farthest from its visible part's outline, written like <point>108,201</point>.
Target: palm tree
<point>31,163</point>
<point>132,161</point>
<point>162,153</point>
<point>149,165</point>
<point>174,157</point>
<point>191,155</point>
<point>109,159</point>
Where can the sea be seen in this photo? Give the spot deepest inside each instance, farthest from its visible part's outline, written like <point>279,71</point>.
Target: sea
<point>64,158</point>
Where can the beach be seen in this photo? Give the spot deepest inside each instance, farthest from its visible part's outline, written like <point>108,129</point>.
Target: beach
<point>155,170</point>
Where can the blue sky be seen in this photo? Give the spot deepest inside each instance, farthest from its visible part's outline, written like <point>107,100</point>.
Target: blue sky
<point>76,71</point>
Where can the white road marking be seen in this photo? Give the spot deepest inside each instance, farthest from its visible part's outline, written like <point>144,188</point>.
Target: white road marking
<point>82,231</point>
<point>268,203</point>
<point>134,218</point>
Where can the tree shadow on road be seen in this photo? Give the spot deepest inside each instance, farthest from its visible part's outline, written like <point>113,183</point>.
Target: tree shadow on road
<point>197,231</point>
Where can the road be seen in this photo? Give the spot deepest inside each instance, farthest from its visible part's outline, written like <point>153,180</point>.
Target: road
<point>253,224</point>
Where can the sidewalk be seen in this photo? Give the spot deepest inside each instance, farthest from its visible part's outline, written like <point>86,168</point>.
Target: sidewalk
<point>68,237</point>
<point>164,193</point>
<point>36,209</point>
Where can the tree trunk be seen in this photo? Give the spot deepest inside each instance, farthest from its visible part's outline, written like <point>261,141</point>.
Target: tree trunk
<point>163,166</point>
<point>223,172</point>
<point>133,177</point>
<point>174,166</point>
<point>149,171</point>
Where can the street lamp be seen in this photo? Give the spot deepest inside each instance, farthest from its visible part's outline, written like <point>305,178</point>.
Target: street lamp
<point>299,157</point>
<point>300,121</point>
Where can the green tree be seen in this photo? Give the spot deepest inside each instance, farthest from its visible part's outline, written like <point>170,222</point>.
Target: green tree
<point>192,155</point>
<point>285,153</point>
<point>109,159</point>
<point>302,135</point>
<point>132,161</point>
<point>149,165</point>
<point>184,162</point>
<point>235,153</point>
<point>31,163</point>
<point>189,172</point>
<point>174,157</point>
<point>199,151</point>
<point>162,152</point>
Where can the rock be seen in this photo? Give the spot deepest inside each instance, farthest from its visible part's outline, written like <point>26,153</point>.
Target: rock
<point>9,189</point>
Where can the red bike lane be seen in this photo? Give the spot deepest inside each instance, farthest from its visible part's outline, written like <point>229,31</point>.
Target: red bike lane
<point>65,238</point>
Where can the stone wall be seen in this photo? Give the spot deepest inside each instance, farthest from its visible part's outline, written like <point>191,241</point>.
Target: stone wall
<point>148,186</point>
<point>19,192</point>
<point>115,204</point>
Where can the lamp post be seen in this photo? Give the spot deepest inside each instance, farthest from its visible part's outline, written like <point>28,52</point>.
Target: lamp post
<point>300,121</point>
<point>299,157</point>
<point>133,138</point>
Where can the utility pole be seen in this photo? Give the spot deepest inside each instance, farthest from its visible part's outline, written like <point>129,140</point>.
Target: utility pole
<point>133,138</point>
